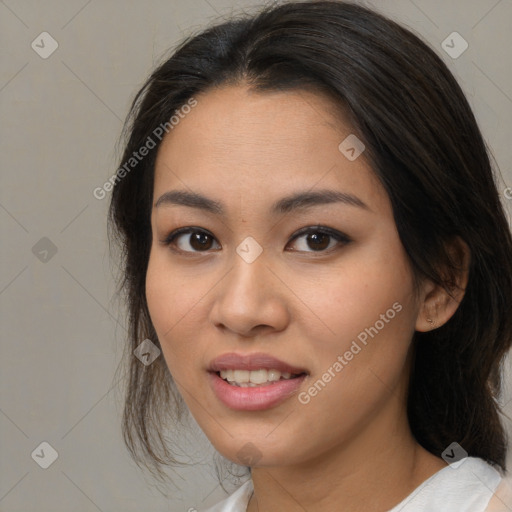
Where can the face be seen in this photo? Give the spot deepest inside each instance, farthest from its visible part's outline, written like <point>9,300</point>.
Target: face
<point>257,285</point>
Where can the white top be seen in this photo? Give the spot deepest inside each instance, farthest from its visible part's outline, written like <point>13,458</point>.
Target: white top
<point>467,488</point>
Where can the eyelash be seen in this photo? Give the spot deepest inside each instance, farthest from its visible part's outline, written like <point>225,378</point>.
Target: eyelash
<point>341,238</point>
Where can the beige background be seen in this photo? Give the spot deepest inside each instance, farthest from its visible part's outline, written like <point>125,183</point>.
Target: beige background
<point>61,117</point>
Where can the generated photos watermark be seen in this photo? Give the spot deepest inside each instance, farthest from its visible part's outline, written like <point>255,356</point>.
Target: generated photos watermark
<point>355,348</point>
<point>158,133</point>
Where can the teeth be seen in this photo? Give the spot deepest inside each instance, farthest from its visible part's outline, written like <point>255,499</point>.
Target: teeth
<point>273,375</point>
<point>246,378</point>
<point>241,376</point>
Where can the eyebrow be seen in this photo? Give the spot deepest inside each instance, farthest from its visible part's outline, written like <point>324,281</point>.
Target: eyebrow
<point>297,201</point>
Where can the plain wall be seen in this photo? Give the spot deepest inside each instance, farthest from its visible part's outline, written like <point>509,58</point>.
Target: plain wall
<point>62,336</point>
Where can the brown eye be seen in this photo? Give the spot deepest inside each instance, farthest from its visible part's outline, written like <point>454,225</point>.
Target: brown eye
<point>311,239</point>
<point>318,240</point>
<point>200,241</point>
<point>190,240</point>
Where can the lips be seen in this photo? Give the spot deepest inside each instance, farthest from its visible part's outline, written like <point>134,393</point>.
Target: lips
<point>255,397</point>
<point>257,361</point>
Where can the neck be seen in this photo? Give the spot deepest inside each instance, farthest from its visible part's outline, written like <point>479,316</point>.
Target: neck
<point>377,469</point>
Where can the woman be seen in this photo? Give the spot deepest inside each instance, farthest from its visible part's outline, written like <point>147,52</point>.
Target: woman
<point>313,238</point>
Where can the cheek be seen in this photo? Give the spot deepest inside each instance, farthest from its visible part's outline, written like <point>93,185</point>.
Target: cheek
<point>359,296</point>
<point>161,298</point>
<point>370,310</point>
<point>172,303</point>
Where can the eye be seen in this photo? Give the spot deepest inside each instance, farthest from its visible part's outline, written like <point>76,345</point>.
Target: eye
<point>315,238</point>
<point>197,239</point>
<point>319,239</point>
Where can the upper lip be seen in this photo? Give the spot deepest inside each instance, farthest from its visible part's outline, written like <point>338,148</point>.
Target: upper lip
<point>257,361</point>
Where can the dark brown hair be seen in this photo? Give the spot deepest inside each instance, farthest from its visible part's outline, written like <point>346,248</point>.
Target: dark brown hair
<point>424,145</point>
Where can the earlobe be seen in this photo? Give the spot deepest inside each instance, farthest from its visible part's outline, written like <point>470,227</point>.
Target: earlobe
<point>434,313</point>
<point>439,302</point>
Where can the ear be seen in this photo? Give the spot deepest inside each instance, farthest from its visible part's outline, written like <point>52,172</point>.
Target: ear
<point>438,303</point>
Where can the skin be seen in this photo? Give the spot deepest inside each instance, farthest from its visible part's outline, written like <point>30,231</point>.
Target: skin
<point>351,444</point>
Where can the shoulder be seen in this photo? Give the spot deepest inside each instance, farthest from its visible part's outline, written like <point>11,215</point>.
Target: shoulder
<point>236,502</point>
<point>465,487</point>
<point>473,486</point>
<point>502,497</point>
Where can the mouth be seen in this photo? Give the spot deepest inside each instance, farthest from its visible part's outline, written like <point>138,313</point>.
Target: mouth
<point>254,381</point>
<point>255,378</point>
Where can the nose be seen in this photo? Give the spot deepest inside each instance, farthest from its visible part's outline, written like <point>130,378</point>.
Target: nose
<point>250,300</point>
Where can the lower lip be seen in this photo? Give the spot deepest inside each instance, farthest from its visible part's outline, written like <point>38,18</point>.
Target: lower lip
<point>256,398</point>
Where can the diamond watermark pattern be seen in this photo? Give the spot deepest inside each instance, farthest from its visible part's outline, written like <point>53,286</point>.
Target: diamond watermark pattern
<point>45,455</point>
<point>454,45</point>
<point>454,455</point>
<point>249,454</point>
<point>44,250</point>
<point>249,249</point>
<point>351,147</point>
<point>146,352</point>
<point>44,45</point>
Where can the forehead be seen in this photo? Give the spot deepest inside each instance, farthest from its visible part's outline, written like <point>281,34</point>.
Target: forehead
<point>236,117</point>
<point>260,144</point>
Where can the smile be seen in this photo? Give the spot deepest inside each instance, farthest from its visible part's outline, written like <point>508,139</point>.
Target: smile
<point>254,378</point>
